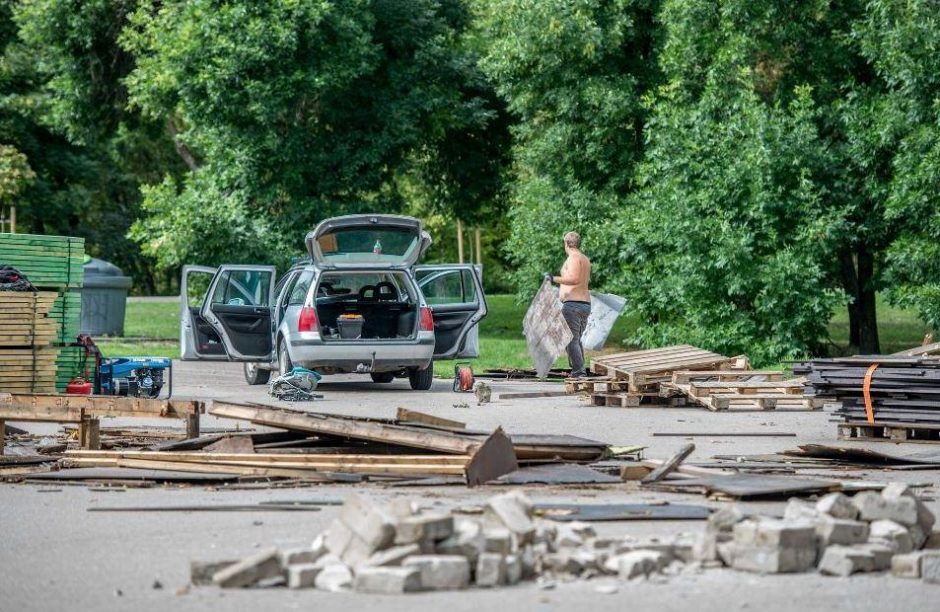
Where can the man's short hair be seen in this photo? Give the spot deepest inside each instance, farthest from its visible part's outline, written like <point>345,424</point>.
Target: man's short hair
<point>573,240</point>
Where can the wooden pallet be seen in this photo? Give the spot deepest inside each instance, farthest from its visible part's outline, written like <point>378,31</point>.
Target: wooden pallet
<point>889,431</point>
<point>635,400</point>
<point>644,371</point>
<point>741,390</point>
<point>595,384</point>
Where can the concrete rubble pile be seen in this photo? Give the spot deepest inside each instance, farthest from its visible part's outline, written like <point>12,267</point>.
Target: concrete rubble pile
<point>403,548</point>
<point>838,536</point>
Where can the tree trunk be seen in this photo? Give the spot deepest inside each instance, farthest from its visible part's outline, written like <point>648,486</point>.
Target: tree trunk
<point>850,284</point>
<point>865,303</point>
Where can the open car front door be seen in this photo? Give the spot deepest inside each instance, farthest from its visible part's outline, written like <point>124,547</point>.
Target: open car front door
<point>197,338</point>
<point>455,294</point>
<point>238,308</point>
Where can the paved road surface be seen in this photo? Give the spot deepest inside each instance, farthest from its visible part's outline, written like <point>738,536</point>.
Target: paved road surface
<point>55,555</point>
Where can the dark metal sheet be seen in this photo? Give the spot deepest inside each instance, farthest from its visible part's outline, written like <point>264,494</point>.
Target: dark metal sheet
<point>557,473</point>
<point>495,458</point>
<point>622,512</point>
<point>751,485</point>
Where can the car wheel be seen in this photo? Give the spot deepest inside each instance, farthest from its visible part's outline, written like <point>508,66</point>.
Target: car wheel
<point>255,375</point>
<point>284,364</point>
<point>421,379</point>
<point>383,377</point>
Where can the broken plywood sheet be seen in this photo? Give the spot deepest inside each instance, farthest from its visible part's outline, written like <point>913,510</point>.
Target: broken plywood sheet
<point>545,330</point>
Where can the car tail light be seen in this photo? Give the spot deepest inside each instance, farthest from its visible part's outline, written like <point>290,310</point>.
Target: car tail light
<point>307,322</point>
<point>427,319</point>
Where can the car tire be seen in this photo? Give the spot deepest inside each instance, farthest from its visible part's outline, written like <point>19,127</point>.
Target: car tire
<point>421,379</point>
<point>284,364</point>
<point>383,377</point>
<point>254,375</point>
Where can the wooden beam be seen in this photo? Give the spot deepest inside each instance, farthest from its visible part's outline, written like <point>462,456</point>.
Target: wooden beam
<point>89,433</point>
<point>347,428</point>
<point>3,435</point>
<point>532,394</point>
<point>107,405</point>
<point>248,466</point>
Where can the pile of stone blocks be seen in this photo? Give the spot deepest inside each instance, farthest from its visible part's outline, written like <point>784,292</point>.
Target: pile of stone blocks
<point>400,548</point>
<point>838,535</point>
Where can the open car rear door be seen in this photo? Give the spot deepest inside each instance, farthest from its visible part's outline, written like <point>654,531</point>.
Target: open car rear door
<point>238,308</point>
<point>197,338</point>
<point>455,294</point>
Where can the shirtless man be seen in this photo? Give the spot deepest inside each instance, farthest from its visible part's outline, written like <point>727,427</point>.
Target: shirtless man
<point>576,299</point>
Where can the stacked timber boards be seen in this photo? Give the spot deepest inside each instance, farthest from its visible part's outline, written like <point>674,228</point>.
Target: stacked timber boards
<point>37,325</point>
<point>904,393</point>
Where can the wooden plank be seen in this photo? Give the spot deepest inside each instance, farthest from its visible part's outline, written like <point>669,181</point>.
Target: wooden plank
<point>669,465</point>
<point>49,414</point>
<point>413,416</point>
<point>347,428</point>
<point>255,468</point>
<point>532,394</point>
<point>312,458</point>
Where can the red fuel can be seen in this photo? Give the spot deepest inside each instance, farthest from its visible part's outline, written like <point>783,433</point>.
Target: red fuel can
<point>78,386</point>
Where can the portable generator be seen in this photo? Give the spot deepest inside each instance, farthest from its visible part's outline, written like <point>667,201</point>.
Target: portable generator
<point>124,376</point>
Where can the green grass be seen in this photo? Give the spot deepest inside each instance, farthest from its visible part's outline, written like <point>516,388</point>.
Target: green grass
<point>501,341</point>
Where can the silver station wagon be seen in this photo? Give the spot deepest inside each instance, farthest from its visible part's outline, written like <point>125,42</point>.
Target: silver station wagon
<point>361,304</point>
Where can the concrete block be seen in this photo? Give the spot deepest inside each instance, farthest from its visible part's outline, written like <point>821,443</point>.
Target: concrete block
<point>775,533</point>
<point>295,556</point>
<point>318,546</point>
<point>881,552</point>
<point>724,519</point>
<point>387,580</point>
<point>468,540</point>
<point>513,511</point>
<point>249,571</point>
<point>401,508</point>
<point>201,572</point>
<point>845,560</point>
<point>334,578</point>
<point>772,560</point>
<point>568,537</point>
<point>907,565</point>
<point>302,575</point>
<point>527,562</point>
<point>799,510</point>
<point>370,522</point>
<point>892,534</point>
<point>491,570</point>
<point>873,507</point>
<point>440,572</point>
<point>840,531</point>
<point>837,505</point>
<point>930,568</point>
<point>391,557</point>
<point>514,569</point>
<point>344,543</point>
<point>545,531</point>
<point>497,540</point>
<point>564,562</point>
<point>725,552</point>
<point>639,563</point>
<point>424,527</point>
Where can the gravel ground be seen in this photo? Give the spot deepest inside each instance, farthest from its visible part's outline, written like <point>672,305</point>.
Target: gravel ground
<point>56,555</point>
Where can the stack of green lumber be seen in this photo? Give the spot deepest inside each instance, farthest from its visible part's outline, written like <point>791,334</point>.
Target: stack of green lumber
<point>54,265</point>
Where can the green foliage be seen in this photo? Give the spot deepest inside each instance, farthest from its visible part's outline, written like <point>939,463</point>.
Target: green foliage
<point>295,111</point>
<point>15,173</point>
<point>573,73</point>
